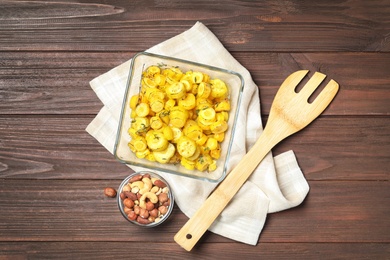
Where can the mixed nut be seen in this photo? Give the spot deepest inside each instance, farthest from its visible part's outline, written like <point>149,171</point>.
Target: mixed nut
<point>145,199</point>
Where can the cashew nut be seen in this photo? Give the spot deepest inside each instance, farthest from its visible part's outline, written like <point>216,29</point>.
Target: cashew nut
<point>151,196</point>
<point>155,189</point>
<point>147,185</point>
<point>138,184</point>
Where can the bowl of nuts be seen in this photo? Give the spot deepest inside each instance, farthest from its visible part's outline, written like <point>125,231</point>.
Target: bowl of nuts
<point>178,117</point>
<point>145,199</point>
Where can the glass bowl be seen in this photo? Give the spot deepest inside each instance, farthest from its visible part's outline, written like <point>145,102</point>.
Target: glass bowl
<point>151,202</point>
<point>139,63</point>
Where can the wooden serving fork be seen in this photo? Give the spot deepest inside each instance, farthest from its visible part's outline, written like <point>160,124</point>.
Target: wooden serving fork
<point>290,112</point>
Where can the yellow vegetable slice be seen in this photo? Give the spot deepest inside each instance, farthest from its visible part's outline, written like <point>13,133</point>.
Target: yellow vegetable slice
<point>186,146</point>
<point>149,83</point>
<point>219,137</point>
<point>187,102</point>
<point>218,127</point>
<point>165,155</point>
<point>156,141</point>
<point>142,154</point>
<point>204,90</point>
<point>150,157</point>
<point>216,153</point>
<point>178,116</point>
<point>223,105</point>
<point>197,77</point>
<point>190,123</point>
<point>132,132</point>
<point>177,73</point>
<point>194,132</point>
<point>140,124</point>
<point>164,116</point>
<point>202,140</point>
<point>188,164</point>
<point>168,133</point>
<point>177,134</point>
<point>203,162</point>
<point>212,166</point>
<point>218,88</point>
<point>155,122</point>
<point>152,70</point>
<point>169,104</point>
<point>204,127</point>
<point>133,114</point>
<point>142,110</point>
<point>208,114</point>
<point>211,143</point>
<point>206,78</point>
<point>176,90</point>
<point>134,101</point>
<point>156,105</point>
<point>186,84</point>
<point>195,155</point>
<point>159,79</point>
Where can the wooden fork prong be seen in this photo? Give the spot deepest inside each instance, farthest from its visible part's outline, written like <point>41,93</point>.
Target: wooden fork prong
<point>325,97</point>
<point>312,85</point>
<point>294,79</point>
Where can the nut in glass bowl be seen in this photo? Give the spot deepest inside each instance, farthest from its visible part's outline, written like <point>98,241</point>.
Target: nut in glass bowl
<point>145,199</point>
<point>178,117</point>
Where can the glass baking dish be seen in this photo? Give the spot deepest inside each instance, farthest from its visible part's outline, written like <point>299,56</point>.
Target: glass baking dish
<point>143,60</point>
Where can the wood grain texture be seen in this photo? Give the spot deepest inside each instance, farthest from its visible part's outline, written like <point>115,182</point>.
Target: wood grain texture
<point>52,173</point>
<point>58,83</point>
<point>59,148</point>
<point>240,25</point>
<point>77,210</point>
<point>107,250</point>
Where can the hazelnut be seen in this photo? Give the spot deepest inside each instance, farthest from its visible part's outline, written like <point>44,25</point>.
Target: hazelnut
<point>154,213</point>
<point>132,215</point>
<point>163,209</point>
<point>163,197</point>
<point>144,213</point>
<point>149,205</point>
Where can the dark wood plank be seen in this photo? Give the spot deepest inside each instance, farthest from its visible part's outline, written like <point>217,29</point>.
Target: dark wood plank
<point>59,148</point>
<point>241,25</point>
<point>58,83</point>
<point>77,210</point>
<point>124,250</point>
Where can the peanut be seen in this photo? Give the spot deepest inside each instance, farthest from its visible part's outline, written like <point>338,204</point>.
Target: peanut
<point>159,184</point>
<point>130,195</point>
<point>143,221</point>
<point>110,192</point>
<point>135,178</point>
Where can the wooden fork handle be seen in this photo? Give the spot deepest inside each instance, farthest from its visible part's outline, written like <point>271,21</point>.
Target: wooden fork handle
<point>198,224</point>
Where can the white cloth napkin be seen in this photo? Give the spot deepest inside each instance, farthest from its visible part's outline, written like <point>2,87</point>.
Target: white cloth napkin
<point>277,183</point>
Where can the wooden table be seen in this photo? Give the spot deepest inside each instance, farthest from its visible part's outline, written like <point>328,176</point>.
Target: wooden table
<point>52,173</point>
